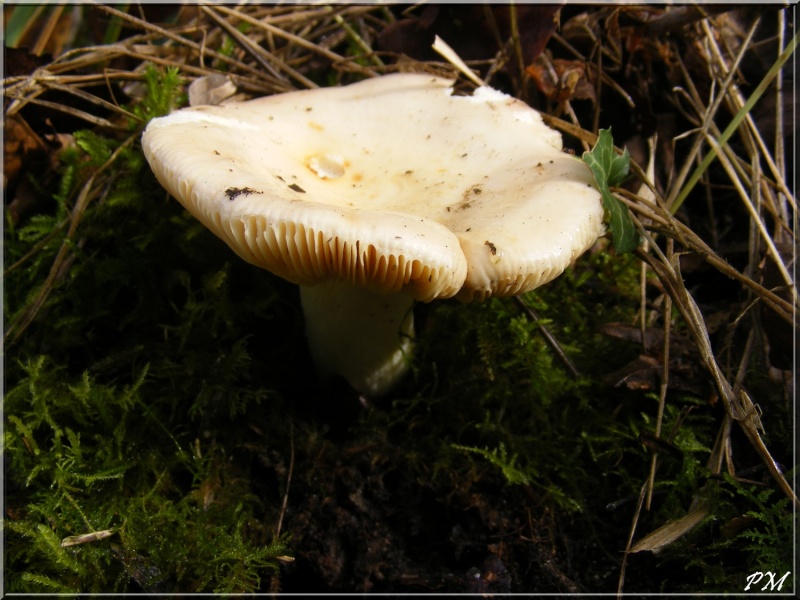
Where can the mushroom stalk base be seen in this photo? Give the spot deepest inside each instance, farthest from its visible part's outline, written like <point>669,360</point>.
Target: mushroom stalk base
<point>365,337</point>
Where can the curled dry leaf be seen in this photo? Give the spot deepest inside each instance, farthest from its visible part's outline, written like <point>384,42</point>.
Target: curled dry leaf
<point>644,373</point>
<point>20,145</point>
<point>211,89</point>
<point>666,534</point>
<point>567,80</point>
<point>86,538</point>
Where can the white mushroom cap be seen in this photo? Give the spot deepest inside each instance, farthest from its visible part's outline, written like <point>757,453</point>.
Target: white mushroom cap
<point>392,184</point>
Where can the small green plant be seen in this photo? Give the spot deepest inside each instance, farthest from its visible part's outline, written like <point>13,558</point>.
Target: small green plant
<point>164,92</point>
<point>768,535</point>
<point>610,169</point>
<point>499,457</point>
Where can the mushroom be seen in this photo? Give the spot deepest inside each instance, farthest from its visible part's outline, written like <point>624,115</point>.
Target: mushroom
<point>377,194</point>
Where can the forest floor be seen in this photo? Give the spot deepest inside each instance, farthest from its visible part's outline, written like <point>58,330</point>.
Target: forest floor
<point>627,428</point>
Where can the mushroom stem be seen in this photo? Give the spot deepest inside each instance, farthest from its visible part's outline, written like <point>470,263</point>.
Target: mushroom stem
<point>365,337</point>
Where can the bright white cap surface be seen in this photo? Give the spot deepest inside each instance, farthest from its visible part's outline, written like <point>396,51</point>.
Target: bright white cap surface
<point>391,183</point>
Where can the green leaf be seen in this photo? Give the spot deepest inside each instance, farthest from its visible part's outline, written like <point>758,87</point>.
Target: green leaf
<point>609,169</point>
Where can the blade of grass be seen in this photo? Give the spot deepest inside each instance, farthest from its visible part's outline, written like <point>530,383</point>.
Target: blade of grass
<point>114,27</point>
<point>754,216</point>
<point>734,124</point>
<point>359,41</point>
<point>739,407</point>
<point>21,20</point>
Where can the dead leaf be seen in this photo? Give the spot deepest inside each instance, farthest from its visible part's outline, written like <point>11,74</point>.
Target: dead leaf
<point>471,31</point>
<point>86,538</point>
<point>211,89</point>
<point>641,374</point>
<point>644,372</point>
<point>21,145</point>
<point>732,527</point>
<point>567,79</point>
<point>667,534</point>
<point>653,336</point>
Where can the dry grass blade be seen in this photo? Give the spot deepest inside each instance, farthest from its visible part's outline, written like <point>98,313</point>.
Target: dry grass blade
<point>684,190</point>
<point>758,196</point>
<point>662,222</point>
<point>706,117</point>
<point>755,217</point>
<point>91,98</point>
<point>201,49</point>
<point>297,40</point>
<point>449,54</point>
<point>262,56</point>
<point>739,407</point>
<point>285,500</point>
<point>738,102</point>
<point>73,112</point>
<point>668,533</point>
<point>548,336</point>
<point>356,37</point>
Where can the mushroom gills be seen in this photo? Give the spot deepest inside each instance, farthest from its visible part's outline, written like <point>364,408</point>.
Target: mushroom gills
<point>363,336</point>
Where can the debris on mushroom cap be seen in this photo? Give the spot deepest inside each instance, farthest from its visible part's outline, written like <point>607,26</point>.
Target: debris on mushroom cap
<point>391,183</point>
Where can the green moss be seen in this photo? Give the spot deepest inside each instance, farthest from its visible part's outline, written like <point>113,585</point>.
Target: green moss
<point>490,391</point>
<point>108,392</point>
